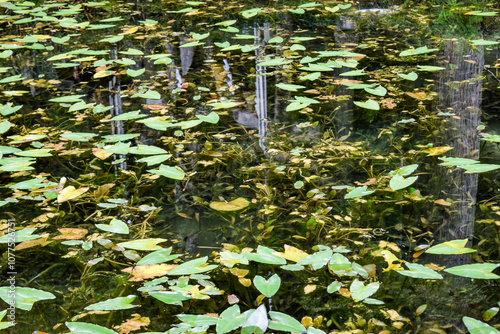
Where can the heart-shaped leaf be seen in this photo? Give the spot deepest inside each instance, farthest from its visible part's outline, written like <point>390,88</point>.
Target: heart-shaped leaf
<point>135,73</point>
<point>115,226</point>
<point>359,291</point>
<point>379,91</point>
<point>24,298</point>
<point>451,247</point>
<point>120,303</point>
<point>171,172</point>
<point>399,182</point>
<point>412,76</point>
<point>267,287</point>
<point>368,104</point>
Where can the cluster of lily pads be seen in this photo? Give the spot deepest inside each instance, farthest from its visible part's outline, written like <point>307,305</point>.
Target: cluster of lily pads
<point>116,104</point>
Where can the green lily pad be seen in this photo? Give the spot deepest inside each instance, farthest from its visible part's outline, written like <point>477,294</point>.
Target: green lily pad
<point>24,297</point>
<point>143,244</point>
<point>289,87</point>
<point>478,327</point>
<point>195,266</point>
<point>451,247</point>
<point>412,76</point>
<point>159,256</point>
<point>175,173</point>
<point>419,271</point>
<point>147,150</point>
<point>150,94</point>
<point>476,270</point>
<point>120,303</point>
<point>359,291</point>
<point>155,159</point>
<point>398,182</point>
<point>284,322</point>
<point>359,192</point>
<point>368,104</point>
<point>79,136</point>
<point>86,328</point>
<point>265,255</point>
<point>267,287</point>
<point>115,226</point>
<point>169,297</point>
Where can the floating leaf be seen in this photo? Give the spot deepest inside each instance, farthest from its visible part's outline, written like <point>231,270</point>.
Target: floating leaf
<point>317,260</point>
<point>86,328</point>
<point>237,204</point>
<point>159,256</point>
<point>419,271</point>
<point>175,173</point>
<point>359,192</point>
<point>284,322</point>
<point>359,291</point>
<point>24,298</point>
<point>67,99</point>
<point>289,87</point>
<point>257,322</point>
<point>5,126</point>
<point>120,303</point>
<point>481,42</point>
<point>143,244</point>
<point>250,12</point>
<point>115,226</point>
<point>417,51</point>
<point>231,319</point>
<point>430,68</point>
<point>451,247</point>
<point>478,327</point>
<point>476,270</point>
<point>156,159</point>
<point>79,136</point>
<point>69,193</point>
<point>168,297</point>
<point>273,62</point>
<point>212,118</point>
<point>379,90</point>
<point>265,255</point>
<point>368,104</point>
<point>20,236</point>
<point>267,287</point>
<point>147,150</point>
<point>195,266</point>
<point>150,94</point>
<point>333,287</point>
<point>398,182</point>
<point>412,76</point>
<point>135,73</point>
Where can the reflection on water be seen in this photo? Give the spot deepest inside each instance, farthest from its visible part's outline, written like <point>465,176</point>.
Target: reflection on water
<point>460,92</point>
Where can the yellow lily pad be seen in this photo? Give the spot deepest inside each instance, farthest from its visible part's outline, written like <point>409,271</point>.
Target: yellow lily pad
<point>70,193</point>
<point>237,204</point>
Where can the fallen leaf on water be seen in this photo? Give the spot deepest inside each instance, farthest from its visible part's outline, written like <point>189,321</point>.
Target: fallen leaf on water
<point>70,193</point>
<point>148,271</point>
<point>71,233</point>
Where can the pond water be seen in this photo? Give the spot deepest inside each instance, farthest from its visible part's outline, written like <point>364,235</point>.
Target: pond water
<point>333,162</point>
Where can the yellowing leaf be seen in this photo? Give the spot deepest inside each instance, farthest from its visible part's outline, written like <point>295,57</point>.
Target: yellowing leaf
<point>235,205</point>
<point>433,151</point>
<point>71,233</point>
<point>309,288</point>
<point>390,259</point>
<point>292,253</point>
<point>98,152</point>
<point>148,271</point>
<point>70,193</point>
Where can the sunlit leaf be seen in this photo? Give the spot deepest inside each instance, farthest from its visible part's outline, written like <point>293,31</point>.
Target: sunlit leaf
<point>195,266</point>
<point>143,244</point>
<point>231,319</point>
<point>20,236</point>
<point>359,192</point>
<point>267,287</point>
<point>430,68</point>
<point>284,322</point>
<point>478,327</point>
<point>419,271</point>
<point>317,260</point>
<point>359,291</point>
<point>159,256</point>
<point>168,297</point>
<point>237,204</point>
<point>24,298</point>
<point>451,247</point>
<point>135,73</point>
<point>368,104</point>
<point>379,91</point>
<point>86,328</point>
<point>412,76</point>
<point>417,51</point>
<point>175,173</point>
<point>398,182</point>
<point>481,42</point>
<point>265,255</point>
<point>79,136</point>
<point>476,270</point>
<point>120,303</point>
<point>115,226</point>
<point>70,193</point>
<point>273,62</point>
<point>290,87</point>
<point>150,94</point>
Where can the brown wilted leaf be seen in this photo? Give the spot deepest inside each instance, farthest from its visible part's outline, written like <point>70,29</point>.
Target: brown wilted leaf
<point>71,233</point>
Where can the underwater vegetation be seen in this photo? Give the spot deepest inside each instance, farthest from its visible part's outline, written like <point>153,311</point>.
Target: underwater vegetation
<point>249,167</point>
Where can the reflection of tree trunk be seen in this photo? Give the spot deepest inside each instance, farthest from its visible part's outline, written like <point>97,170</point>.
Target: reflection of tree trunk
<point>459,89</point>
